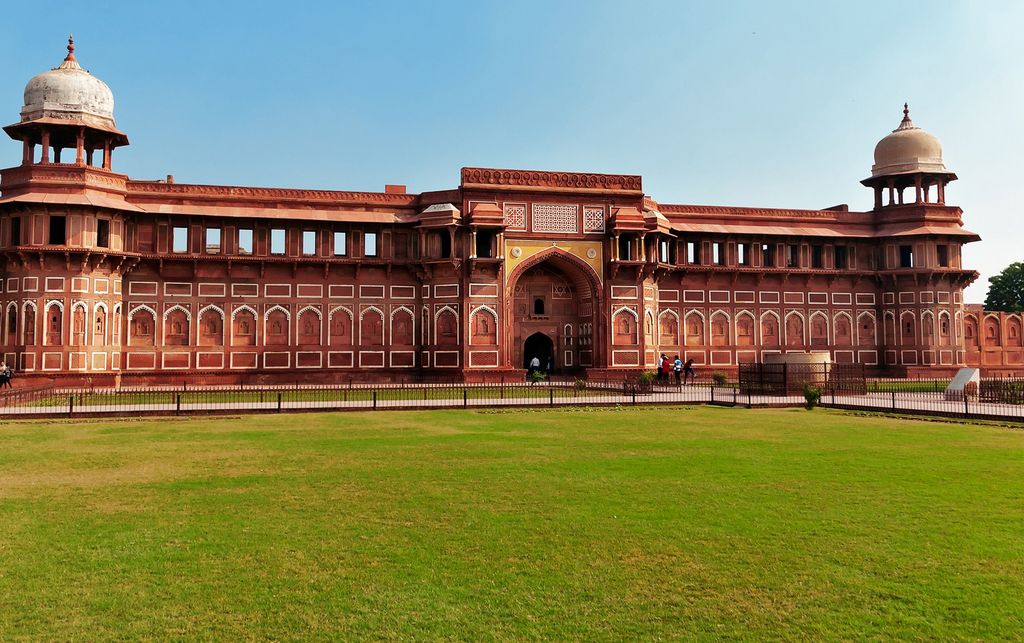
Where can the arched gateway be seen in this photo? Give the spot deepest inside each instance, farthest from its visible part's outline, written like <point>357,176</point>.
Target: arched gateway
<point>551,303</point>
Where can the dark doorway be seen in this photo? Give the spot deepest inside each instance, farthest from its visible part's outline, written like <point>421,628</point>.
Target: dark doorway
<point>540,346</point>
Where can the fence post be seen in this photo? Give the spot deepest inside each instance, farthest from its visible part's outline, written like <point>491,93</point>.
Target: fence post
<point>894,399</point>
<point>279,401</point>
<point>465,399</point>
<point>634,397</point>
<point>967,410</point>
<point>750,400</point>
<point>712,392</point>
<point>177,404</point>
<point>374,398</point>
<point>71,404</point>
<point>551,396</point>
<point>734,391</point>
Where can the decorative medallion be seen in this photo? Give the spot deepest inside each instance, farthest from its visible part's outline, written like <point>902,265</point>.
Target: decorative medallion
<point>591,253</point>
<point>517,252</point>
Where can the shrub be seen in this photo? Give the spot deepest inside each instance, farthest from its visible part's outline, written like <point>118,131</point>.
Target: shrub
<point>647,377</point>
<point>538,376</point>
<point>719,378</point>
<point>580,384</point>
<point>812,395</point>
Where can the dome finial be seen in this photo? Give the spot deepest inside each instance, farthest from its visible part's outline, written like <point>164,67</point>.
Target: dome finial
<point>71,47</point>
<point>906,123</point>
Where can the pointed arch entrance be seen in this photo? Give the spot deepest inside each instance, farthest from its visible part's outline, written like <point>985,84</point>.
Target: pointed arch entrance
<point>556,296</point>
<point>540,346</point>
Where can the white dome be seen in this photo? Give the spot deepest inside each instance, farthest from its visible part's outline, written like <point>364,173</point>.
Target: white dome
<point>908,149</point>
<point>69,92</point>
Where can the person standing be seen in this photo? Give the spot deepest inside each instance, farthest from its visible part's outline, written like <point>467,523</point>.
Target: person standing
<point>534,365</point>
<point>677,368</point>
<point>688,372</point>
<point>5,375</point>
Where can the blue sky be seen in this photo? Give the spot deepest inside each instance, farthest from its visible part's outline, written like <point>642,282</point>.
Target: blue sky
<point>733,103</point>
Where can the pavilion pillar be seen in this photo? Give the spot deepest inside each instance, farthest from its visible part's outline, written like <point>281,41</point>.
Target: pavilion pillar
<point>615,247</point>
<point>88,156</point>
<point>106,154</point>
<point>472,249</point>
<point>45,158</point>
<point>917,189</point>
<point>80,147</point>
<point>26,152</point>
<point>878,197</point>
<point>500,242</point>
<point>941,185</point>
<point>643,247</point>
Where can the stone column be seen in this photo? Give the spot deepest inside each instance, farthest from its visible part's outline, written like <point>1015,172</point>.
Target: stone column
<point>45,158</point>
<point>80,147</point>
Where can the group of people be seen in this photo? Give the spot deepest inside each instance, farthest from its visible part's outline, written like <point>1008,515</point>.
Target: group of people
<point>6,375</point>
<point>684,372</point>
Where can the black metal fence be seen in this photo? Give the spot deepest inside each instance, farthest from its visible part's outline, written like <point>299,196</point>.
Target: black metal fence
<point>994,398</point>
<point>791,379</point>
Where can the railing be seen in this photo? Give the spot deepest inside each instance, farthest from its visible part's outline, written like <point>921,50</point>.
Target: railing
<point>996,399</point>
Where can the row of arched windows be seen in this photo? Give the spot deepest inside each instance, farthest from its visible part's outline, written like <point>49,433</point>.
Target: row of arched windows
<point>96,328</point>
<point>745,329</point>
<point>993,331</point>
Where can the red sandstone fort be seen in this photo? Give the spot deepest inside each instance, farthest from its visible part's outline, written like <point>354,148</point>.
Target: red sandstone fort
<point>112,279</point>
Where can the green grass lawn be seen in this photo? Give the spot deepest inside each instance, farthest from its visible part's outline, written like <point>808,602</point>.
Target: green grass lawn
<point>582,524</point>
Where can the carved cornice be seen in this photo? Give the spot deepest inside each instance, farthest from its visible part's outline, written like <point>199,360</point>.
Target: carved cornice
<point>229,192</point>
<point>487,177</point>
<point>724,210</point>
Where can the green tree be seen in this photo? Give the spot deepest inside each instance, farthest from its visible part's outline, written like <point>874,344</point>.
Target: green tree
<point>1006,290</point>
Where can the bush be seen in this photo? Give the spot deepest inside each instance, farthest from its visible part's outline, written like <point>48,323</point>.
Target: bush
<point>580,384</point>
<point>538,376</point>
<point>812,395</point>
<point>648,377</point>
<point>719,378</point>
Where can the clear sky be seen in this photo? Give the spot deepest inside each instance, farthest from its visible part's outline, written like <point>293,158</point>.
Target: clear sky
<point>733,103</point>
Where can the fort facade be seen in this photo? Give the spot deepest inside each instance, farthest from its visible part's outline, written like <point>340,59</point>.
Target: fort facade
<point>107,278</point>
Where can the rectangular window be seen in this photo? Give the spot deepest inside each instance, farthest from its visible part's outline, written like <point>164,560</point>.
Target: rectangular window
<point>15,231</point>
<point>309,242</point>
<point>212,241</point>
<point>103,233</point>
<point>245,241</point>
<point>625,248</point>
<point>767,255</point>
<point>692,252</point>
<point>179,240</point>
<point>58,231</point>
<point>906,256</point>
<point>484,242</point>
<point>340,244</point>
<point>841,259</point>
<point>943,253</point>
<point>743,250</point>
<point>816,257</point>
<point>663,251</point>
<point>277,241</point>
<point>718,253</point>
<point>370,244</point>
<point>792,256</point>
